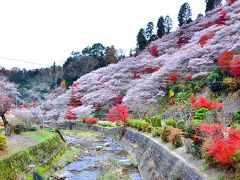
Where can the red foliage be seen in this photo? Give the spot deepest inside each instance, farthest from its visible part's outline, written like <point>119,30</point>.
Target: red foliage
<point>222,142</point>
<point>90,120</point>
<point>100,78</point>
<point>222,19</point>
<point>202,102</point>
<point>174,77</point>
<point>75,84</point>
<point>172,101</point>
<point>225,60</point>
<point>188,78</point>
<point>235,67</point>
<point>23,107</point>
<point>232,1</point>
<point>119,114</point>
<point>208,25</point>
<point>70,115</point>
<point>118,100</point>
<point>153,50</point>
<point>147,70</point>
<point>136,75</point>
<point>237,12</point>
<point>205,38</point>
<point>136,54</point>
<point>75,103</point>
<point>182,41</point>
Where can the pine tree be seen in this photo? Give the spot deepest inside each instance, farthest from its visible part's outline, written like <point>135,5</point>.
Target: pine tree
<point>160,27</point>
<point>210,4</point>
<point>185,14</point>
<point>149,31</point>
<point>141,40</point>
<point>168,23</point>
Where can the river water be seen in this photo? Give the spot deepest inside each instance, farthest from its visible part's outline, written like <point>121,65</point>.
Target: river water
<point>90,167</point>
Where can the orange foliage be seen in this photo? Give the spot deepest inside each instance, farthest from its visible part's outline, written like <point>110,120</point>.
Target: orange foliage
<point>225,60</point>
<point>205,38</point>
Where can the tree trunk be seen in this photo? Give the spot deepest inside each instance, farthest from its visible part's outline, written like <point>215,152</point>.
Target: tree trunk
<point>5,123</point>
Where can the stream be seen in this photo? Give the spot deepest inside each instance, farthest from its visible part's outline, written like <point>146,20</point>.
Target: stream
<point>90,167</point>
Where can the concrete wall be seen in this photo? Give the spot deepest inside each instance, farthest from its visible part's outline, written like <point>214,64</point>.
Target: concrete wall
<point>155,162</point>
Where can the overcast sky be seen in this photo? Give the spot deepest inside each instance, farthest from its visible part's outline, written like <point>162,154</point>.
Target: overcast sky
<point>44,31</point>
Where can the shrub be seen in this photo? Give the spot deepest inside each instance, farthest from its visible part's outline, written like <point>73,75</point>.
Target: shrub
<point>180,124</point>
<point>145,126</point>
<point>188,78</point>
<point>165,133</point>
<point>172,135</point>
<point>233,83</point>
<point>201,114</point>
<point>235,67</point>
<point>182,96</point>
<point>154,51</point>
<point>157,131</point>
<point>236,161</point>
<point>3,142</point>
<point>140,125</point>
<point>202,102</point>
<point>156,121</point>
<point>90,120</point>
<point>170,122</point>
<point>148,119</point>
<point>225,60</point>
<point>215,80</point>
<point>106,124</point>
<point>193,132</point>
<point>221,143</point>
<point>237,116</point>
<point>119,113</point>
<point>174,78</point>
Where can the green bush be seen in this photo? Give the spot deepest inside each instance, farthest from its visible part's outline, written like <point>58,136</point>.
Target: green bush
<point>236,161</point>
<point>156,121</point>
<point>182,96</point>
<point>237,116</point>
<point>148,119</point>
<point>170,122</point>
<point>3,142</point>
<point>201,114</point>
<point>157,131</point>
<point>215,80</point>
<point>145,126</point>
<point>180,124</point>
<point>106,124</point>
<point>140,125</point>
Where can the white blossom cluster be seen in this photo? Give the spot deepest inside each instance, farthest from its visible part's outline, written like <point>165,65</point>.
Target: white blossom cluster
<point>102,85</point>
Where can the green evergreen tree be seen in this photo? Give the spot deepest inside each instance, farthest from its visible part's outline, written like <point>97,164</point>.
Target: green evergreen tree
<point>168,23</point>
<point>149,31</point>
<point>141,40</point>
<point>210,4</point>
<point>160,27</point>
<point>185,14</point>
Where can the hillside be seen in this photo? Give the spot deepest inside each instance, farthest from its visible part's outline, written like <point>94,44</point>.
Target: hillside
<point>138,81</point>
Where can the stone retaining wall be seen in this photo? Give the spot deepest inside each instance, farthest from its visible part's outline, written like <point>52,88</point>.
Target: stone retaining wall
<point>20,164</point>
